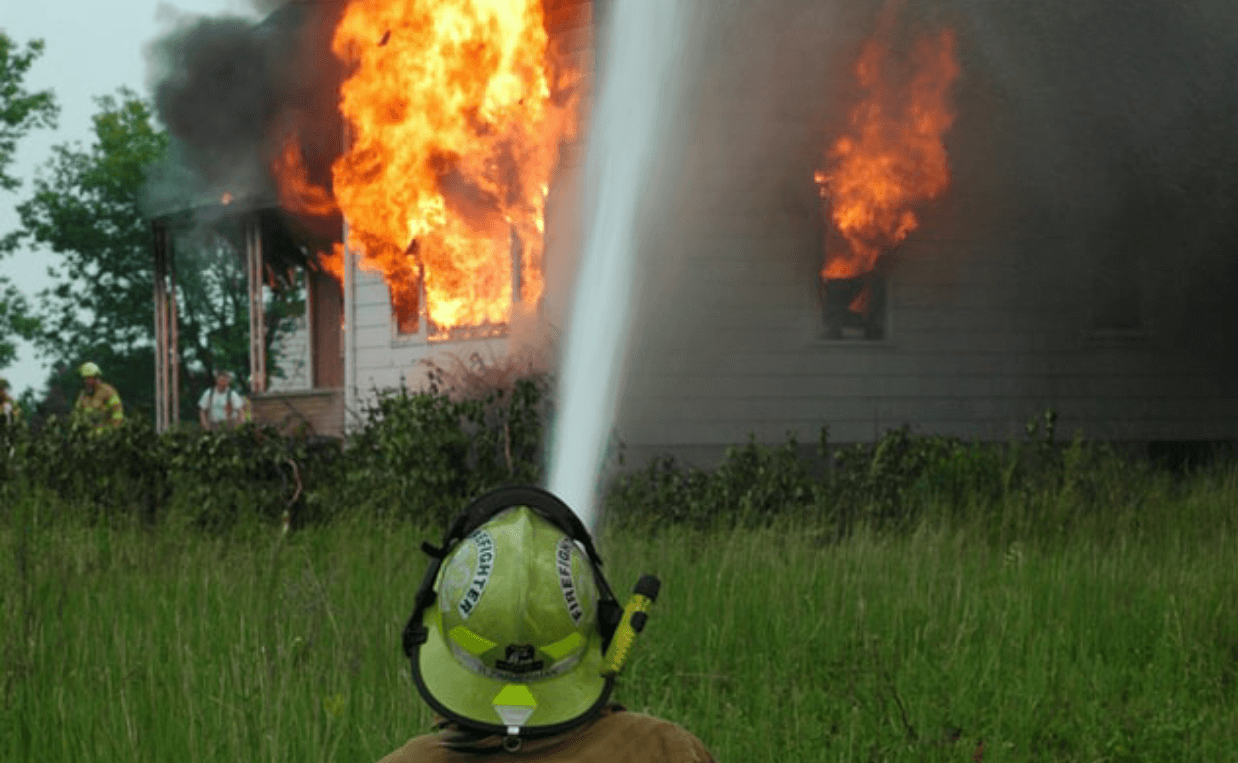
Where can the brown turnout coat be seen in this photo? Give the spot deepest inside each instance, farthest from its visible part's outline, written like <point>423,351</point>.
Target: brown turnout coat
<point>616,736</point>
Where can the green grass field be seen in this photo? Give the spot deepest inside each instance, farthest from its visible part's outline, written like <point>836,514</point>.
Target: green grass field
<point>952,642</point>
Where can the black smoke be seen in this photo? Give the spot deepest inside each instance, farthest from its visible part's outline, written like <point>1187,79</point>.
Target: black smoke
<point>231,91</point>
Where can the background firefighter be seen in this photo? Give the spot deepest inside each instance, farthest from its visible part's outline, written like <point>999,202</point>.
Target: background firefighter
<point>99,402</point>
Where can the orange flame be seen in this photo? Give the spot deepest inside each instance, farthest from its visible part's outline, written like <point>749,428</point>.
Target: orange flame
<point>296,193</point>
<point>455,123</point>
<point>895,158</point>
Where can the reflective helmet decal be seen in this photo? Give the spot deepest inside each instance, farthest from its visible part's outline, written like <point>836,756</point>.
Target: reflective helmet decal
<point>565,646</point>
<point>465,579</point>
<point>470,641</point>
<point>521,663</point>
<point>563,560</point>
<point>514,704</point>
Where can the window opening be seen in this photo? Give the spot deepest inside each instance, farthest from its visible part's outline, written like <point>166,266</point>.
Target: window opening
<point>854,308</point>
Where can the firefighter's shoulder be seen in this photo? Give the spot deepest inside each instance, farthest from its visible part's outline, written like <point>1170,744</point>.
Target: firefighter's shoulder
<point>422,749</point>
<point>616,737</point>
<point>630,737</point>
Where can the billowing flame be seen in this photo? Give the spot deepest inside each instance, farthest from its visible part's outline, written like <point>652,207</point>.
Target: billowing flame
<point>455,112</point>
<point>894,158</point>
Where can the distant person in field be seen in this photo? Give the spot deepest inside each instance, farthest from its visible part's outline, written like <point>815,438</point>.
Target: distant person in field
<point>99,402</point>
<point>10,410</point>
<point>220,407</point>
<point>508,643</point>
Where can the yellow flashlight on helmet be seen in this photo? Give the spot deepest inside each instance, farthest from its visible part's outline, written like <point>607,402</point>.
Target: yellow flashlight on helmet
<point>635,615</point>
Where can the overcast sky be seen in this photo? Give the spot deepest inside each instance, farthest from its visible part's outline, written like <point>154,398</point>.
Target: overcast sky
<point>93,48</point>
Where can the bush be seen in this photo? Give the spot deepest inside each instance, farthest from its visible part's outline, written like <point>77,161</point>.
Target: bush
<point>1035,488</point>
<point>753,484</point>
<point>424,455</point>
<point>418,456</point>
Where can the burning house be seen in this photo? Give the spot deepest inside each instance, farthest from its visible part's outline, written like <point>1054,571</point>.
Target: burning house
<point>953,218</point>
<point>404,188</point>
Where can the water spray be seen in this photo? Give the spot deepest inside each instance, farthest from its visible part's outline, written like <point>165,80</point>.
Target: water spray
<point>637,76</point>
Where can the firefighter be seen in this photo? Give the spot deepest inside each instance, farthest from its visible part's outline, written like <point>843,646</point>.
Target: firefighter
<point>508,644</point>
<point>98,402</point>
<point>10,410</point>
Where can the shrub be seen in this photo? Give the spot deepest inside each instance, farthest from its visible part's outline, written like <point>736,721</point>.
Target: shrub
<point>417,456</point>
<point>753,484</point>
<point>423,455</point>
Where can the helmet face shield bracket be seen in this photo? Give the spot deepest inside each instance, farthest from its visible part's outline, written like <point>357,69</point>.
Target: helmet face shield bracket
<point>478,513</point>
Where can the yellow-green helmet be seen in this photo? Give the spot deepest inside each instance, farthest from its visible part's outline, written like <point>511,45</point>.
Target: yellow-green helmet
<point>89,369</point>
<point>511,625</point>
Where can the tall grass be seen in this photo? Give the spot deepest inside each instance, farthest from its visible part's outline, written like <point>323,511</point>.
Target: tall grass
<point>971,633</point>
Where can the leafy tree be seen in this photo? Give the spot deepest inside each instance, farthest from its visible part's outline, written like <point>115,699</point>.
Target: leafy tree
<point>20,112</point>
<point>87,207</point>
<point>15,320</point>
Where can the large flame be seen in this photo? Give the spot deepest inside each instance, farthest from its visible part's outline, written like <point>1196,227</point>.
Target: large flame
<point>894,158</point>
<point>455,113</point>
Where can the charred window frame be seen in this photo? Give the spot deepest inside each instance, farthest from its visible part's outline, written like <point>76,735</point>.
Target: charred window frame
<point>855,309</point>
<point>407,305</point>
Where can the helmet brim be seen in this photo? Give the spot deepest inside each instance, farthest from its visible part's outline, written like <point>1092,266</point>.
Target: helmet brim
<point>466,697</point>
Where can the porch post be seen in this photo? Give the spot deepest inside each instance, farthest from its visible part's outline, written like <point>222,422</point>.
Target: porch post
<point>257,314</point>
<point>167,359</point>
<point>159,239</point>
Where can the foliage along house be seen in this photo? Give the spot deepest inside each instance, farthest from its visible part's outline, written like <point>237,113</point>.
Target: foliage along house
<point>1057,267</point>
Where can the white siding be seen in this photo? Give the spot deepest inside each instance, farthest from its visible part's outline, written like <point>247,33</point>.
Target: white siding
<point>386,360</point>
<point>290,360</point>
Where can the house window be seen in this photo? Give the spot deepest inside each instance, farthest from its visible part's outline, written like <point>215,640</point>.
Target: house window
<point>289,366</point>
<point>406,308</point>
<point>854,308</point>
<point>409,313</point>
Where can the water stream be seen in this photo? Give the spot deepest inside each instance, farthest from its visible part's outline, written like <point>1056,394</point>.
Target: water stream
<point>637,77</point>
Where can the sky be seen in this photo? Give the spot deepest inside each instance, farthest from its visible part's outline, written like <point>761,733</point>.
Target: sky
<point>92,48</point>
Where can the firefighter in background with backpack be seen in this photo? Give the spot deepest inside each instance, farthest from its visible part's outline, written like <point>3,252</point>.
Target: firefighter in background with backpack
<point>220,407</point>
